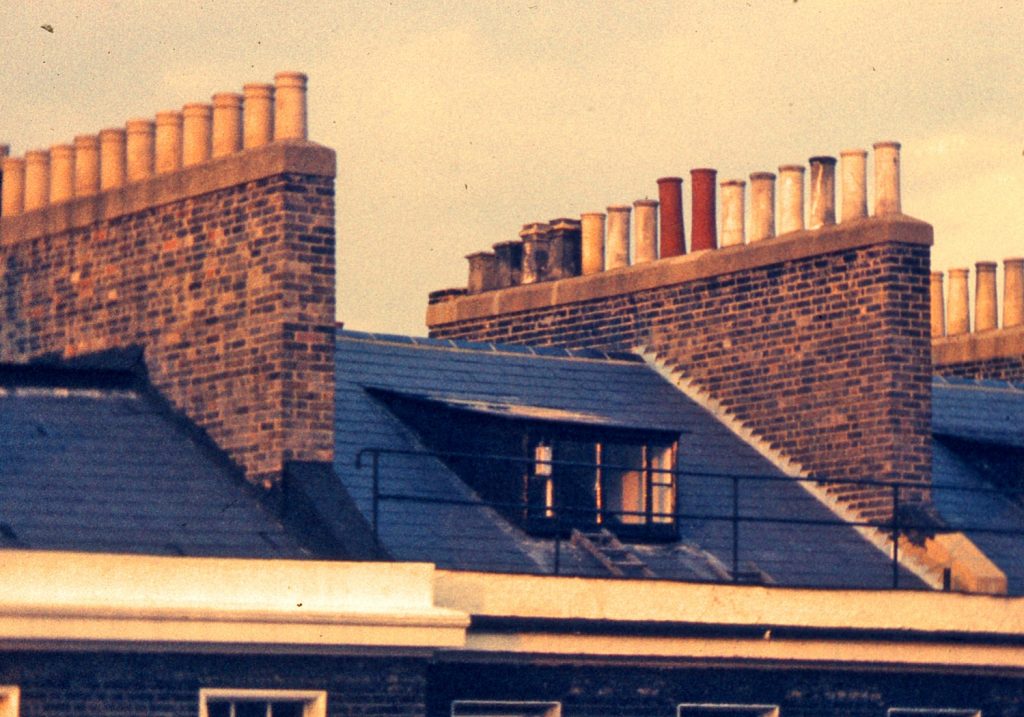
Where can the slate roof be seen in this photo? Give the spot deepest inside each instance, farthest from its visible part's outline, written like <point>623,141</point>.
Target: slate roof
<point>619,389</point>
<point>972,420</point>
<point>88,463</point>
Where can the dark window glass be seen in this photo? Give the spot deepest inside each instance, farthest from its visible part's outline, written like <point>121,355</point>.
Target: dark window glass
<point>250,709</point>
<point>287,709</point>
<point>218,709</point>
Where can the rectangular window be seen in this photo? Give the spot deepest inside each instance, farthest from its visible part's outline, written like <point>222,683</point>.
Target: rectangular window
<point>628,486</point>
<point>9,699</point>
<point>470,708</point>
<point>218,702</point>
<point>726,710</point>
<point>931,712</point>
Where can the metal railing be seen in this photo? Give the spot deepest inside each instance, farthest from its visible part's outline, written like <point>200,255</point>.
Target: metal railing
<point>907,509</point>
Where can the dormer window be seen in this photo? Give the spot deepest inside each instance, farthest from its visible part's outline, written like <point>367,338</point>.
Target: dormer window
<point>549,475</point>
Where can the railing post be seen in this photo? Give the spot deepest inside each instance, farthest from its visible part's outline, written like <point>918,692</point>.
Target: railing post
<point>735,528</point>
<point>374,462</point>
<point>895,536</point>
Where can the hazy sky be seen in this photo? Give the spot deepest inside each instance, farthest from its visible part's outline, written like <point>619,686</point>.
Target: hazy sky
<point>457,122</point>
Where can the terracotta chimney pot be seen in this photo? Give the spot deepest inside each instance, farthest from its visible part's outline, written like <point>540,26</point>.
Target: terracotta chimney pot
<point>762,206</point>
<point>853,165</point>
<point>887,178</point>
<point>227,123</point>
<point>140,134</point>
<point>168,141</point>
<point>958,318</point>
<point>823,191</point>
<point>37,179</point>
<point>112,158</point>
<point>592,227</point>
<point>673,233</point>
<point>12,202</point>
<point>258,115</point>
<point>87,165</point>
<point>938,309</point>
<point>289,105</point>
<point>617,247</point>
<point>791,198</point>
<point>1013,292</point>
<point>645,216</point>
<point>986,312</point>
<point>704,230</point>
<point>197,130</point>
<point>62,173</point>
<point>733,206</point>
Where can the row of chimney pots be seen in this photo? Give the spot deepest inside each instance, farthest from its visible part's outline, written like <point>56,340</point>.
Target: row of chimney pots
<point>144,147</point>
<point>951,315</point>
<point>599,241</point>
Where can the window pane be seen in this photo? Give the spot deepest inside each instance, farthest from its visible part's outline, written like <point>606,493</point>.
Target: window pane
<point>576,485</point>
<point>624,492</point>
<point>218,709</point>
<point>663,485</point>
<point>250,709</point>
<point>287,709</point>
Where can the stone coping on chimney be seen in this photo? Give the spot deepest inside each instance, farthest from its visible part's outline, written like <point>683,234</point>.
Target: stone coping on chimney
<point>279,157</point>
<point>895,228</point>
<point>978,346</point>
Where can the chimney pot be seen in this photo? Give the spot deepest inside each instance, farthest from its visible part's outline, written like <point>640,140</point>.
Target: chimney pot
<point>536,252</point>
<point>37,179</point>
<point>791,198</point>
<point>958,318</point>
<point>168,141</point>
<point>762,206</point>
<point>290,105</point>
<point>12,201</point>
<point>703,234</point>
<point>823,191</point>
<point>646,220</point>
<point>986,313</point>
<point>112,158</point>
<point>617,248</point>
<point>509,260</point>
<point>592,228</point>
<point>733,227</point>
<point>87,165</point>
<point>62,173</point>
<point>673,233</point>
<point>565,257</point>
<point>227,123</point>
<point>853,166</point>
<point>887,178</point>
<point>1013,292</point>
<point>140,148</point>
<point>482,267</point>
<point>937,306</point>
<point>196,128</point>
<point>258,110</point>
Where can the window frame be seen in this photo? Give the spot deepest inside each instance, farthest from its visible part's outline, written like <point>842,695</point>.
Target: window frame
<point>932,712</point>
<point>756,710</point>
<point>314,702</point>
<point>10,700</point>
<point>502,708</point>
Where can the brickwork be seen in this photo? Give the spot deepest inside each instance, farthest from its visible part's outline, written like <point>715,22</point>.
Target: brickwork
<point>126,685</point>
<point>592,691</point>
<point>997,354</point>
<point>820,347</point>
<point>223,273</point>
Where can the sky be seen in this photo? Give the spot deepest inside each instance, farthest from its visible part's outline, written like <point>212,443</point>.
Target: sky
<point>455,123</point>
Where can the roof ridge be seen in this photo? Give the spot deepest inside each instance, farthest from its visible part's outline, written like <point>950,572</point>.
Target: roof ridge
<point>492,347</point>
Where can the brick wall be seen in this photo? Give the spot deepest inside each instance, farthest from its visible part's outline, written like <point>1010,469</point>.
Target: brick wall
<point>653,691</point>
<point>125,685</point>
<point>817,341</point>
<point>223,272</point>
<point>997,354</point>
